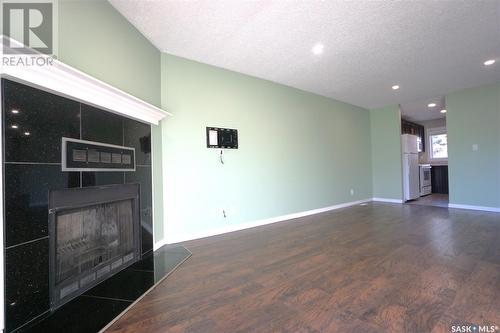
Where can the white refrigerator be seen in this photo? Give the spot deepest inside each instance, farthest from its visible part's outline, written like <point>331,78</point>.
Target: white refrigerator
<point>411,186</point>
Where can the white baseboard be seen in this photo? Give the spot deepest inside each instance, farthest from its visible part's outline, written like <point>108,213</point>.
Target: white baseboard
<point>159,244</point>
<point>457,206</point>
<point>186,237</point>
<point>471,207</point>
<point>387,200</point>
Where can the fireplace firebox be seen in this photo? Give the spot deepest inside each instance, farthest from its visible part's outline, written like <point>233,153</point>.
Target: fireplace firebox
<point>94,233</point>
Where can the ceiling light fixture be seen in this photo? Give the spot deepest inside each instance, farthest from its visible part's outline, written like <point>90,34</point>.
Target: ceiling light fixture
<point>489,62</point>
<point>14,126</point>
<point>318,49</point>
<point>443,111</point>
<point>395,87</point>
<point>431,105</point>
<point>15,111</point>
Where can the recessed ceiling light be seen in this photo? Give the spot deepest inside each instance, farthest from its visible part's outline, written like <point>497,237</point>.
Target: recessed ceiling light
<point>395,87</point>
<point>431,105</point>
<point>14,126</point>
<point>318,49</point>
<point>443,111</point>
<point>27,133</point>
<point>15,111</point>
<point>489,62</point>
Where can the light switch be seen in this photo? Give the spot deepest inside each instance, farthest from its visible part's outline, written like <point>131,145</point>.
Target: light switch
<point>475,147</point>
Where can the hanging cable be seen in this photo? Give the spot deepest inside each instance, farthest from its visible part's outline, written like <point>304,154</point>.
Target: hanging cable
<point>221,157</point>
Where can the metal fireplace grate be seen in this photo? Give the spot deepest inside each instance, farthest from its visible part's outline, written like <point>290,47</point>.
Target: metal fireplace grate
<point>94,233</point>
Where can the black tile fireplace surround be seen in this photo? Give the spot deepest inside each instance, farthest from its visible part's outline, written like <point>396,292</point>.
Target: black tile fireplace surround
<point>34,121</point>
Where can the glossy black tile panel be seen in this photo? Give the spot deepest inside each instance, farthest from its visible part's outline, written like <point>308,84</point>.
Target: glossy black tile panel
<point>101,126</point>
<point>26,282</point>
<point>142,175</point>
<point>127,285</point>
<point>138,135</point>
<point>46,117</point>
<point>81,315</point>
<point>26,198</point>
<point>146,238</point>
<point>102,178</point>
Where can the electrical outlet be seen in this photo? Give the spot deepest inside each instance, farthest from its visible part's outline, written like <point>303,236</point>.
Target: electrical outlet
<point>227,212</point>
<point>352,191</point>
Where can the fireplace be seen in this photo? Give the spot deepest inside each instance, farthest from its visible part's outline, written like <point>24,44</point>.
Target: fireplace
<point>94,233</point>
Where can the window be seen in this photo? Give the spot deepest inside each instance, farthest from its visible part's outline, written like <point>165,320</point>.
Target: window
<point>439,146</point>
<point>438,140</point>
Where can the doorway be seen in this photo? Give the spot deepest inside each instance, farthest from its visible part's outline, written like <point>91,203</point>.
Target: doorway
<point>424,121</point>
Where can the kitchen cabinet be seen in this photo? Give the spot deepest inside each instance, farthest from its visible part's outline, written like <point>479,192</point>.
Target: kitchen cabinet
<point>407,127</point>
<point>439,179</point>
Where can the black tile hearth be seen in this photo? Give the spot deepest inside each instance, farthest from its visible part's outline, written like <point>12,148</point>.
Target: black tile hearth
<point>163,261</point>
<point>27,186</point>
<point>99,126</point>
<point>168,261</point>
<point>108,299</point>
<point>26,290</point>
<point>81,315</point>
<point>25,111</point>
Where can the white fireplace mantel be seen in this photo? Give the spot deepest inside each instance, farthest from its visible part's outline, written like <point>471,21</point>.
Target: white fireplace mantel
<point>61,79</point>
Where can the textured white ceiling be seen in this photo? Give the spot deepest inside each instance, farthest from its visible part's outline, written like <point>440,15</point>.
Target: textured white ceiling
<point>419,110</point>
<point>428,47</point>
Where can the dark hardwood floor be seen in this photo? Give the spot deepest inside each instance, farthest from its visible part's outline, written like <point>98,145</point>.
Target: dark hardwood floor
<point>372,268</point>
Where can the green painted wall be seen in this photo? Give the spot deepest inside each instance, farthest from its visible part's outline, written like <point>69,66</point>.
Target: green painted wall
<point>298,151</point>
<point>473,117</point>
<point>385,126</point>
<point>96,39</point>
